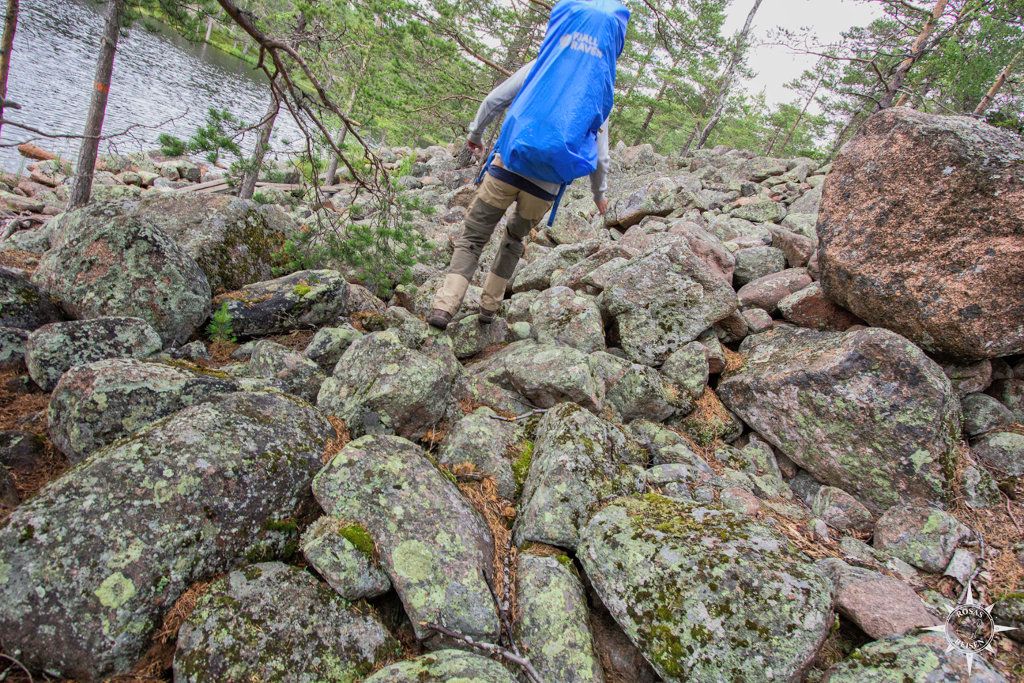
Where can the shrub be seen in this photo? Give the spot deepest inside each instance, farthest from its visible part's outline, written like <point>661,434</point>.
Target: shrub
<point>171,146</point>
<point>220,325</point>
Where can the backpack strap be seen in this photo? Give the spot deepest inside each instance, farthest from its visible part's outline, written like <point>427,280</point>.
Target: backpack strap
<point>554,207</point>
<point>487,165</point>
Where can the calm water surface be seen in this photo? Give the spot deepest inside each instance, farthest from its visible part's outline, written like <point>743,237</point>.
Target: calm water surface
<point>157,76</point>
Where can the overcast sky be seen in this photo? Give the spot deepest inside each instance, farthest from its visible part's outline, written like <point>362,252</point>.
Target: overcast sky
<point>777,65</point>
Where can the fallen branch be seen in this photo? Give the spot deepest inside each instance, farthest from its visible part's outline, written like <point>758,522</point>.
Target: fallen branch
<point>489,649</point>
<point>18,664</point>
<point>517,418</point>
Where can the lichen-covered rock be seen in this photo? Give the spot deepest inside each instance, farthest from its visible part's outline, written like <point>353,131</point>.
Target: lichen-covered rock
<point>435,548</point>
<point>308,298</point>
<point>329,343</point>
<point>880,605</point>
<point>969,377</point>
<point>705,593</point>
<point>864,411</point>
<point>560,315</point>
<point>289,370</point>
<point>766,292</point>
<point>12,347</point>
<point>1001,452</point>
<point>470,337</point>
<point>544,374</point>
<point>636,391</point>
<point>553,627</point>
<point>656,199</point>
<point>344,555</point>
<point>382,386</point>
<point>53,349</point>
<point>538,273</point>
<point>22,304</point>
<point>124,265</point>
<point>487,443</point>
<point>983,413</point>
<point>921,231</point>
<point>840,510</point>
<point>763,211</point>
<point>687,368</point>
<point>89,565</point>
<point>924,658</point>
<point>444,666</point>
<point>1010,392</point>
<point>579,460</point>
<point>233,240</point>
<point>642,238</point>
<point>97,403</point>
<point>754,263</point>
<point>577,275</point>
<point>922,536</point>
<point>662,300</point>
<point>273,622</point>
<point>1009,611</point>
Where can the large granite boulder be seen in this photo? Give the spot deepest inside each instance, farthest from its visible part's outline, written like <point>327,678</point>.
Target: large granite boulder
<point>560,315</point>
<point>705,593</point>
<point>233,240</point>
<point>544,374</point>
<point>921,536</point>
<point>124,265</point>
<point>273,622</point>
<point>487,443</point>
<point>95,404</point>
<point>90,565</point>
<point>22,304</point>
<point>53,349</point>
<point>382,386</point>
<point>305,299</point>
<point>434,546</point>
<point>578,461</point>
<point>863,411</point>
<point>553,627</point>
<point>922,231</point>
<point>663,299</point>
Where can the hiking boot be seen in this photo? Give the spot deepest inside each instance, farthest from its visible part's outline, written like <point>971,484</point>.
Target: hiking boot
<point>439,319</point>
<point>487,317</point>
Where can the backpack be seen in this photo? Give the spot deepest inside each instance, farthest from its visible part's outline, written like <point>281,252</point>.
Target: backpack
<point>550,129</point>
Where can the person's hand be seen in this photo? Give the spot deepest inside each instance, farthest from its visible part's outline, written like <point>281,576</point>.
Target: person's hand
<point>602,206</point>
<point>474,147</point>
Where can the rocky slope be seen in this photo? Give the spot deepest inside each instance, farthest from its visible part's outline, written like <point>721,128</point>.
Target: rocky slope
<point>761,422</point>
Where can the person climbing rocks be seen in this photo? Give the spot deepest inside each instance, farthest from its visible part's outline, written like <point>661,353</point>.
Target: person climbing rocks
<point>555,130</point>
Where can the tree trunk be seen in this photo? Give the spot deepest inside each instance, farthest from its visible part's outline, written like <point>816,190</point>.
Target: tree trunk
<point>722,96</point>
<point>82,188</point>
<point>247,186</point>
<point>650,112</point>
<point>916,51</point>
<point>332,167</point>
<point>799,118</point>
<point>992,92</point>
<point>209,29</point>
<point>7,48</point>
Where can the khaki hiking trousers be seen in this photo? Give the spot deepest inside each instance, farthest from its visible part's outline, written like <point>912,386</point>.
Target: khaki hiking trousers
<point>493,198</point>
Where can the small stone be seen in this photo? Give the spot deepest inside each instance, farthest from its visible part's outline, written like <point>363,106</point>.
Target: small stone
<point>329,343</point>
<point>560,315</point>
<point>961,566</point>
<point>983,413</point>
<point>766,292</point>
<point>809,307</point>
<point>840,510</point>
<point>1002,452</point>
<point>758,320</point>
<point>969,378</point>
<point>288,370</point>
<point>12,347</point>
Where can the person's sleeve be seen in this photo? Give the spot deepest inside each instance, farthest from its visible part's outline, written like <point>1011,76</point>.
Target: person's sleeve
<point>599,178</point>
<point>497,102</point>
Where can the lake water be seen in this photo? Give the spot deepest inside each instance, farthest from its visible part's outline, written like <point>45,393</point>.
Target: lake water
<point>157,76</point>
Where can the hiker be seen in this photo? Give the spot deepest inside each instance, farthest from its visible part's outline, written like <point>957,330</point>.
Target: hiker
<point>556,130</point>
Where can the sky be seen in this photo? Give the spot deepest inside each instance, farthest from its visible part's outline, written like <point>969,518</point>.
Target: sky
<point>777,65</point>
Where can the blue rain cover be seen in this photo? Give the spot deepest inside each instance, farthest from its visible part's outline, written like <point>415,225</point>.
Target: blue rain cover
<point>550,130</point>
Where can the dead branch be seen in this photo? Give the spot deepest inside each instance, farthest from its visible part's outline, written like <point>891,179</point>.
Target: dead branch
<point>489,649</point>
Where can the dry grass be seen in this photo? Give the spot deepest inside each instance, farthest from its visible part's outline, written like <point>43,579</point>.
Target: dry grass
<point>155,665</point>
<point>341,438</point>
<point>733,359</point>
<point>220,353</point>
<point>482,493</point>
<point>296,341</point>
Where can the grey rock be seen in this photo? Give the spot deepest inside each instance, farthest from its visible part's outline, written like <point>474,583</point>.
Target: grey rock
<point>764,211</point>
<point>444,666</point>
<point>921,536</point>
<point>766,292</point>
<point>560,315</point>
<point>756,262</point>
<point>579,460</point>
<point>329,343</point>
<point>1001,452</point>
<point>488,444</point>
<point>270,621</point>
<point>97,403</point>
<point>840,510</point>
<point>53,349</point>
<point>12,347</point>
<point>340,553</point>
<point>983,413</point>
<point>636,391</point>
<point>289,370</point>
<point>554,625</point>
<point>308,298</point>
<point>544,374</point>
<point>706,593</point>
<point>923,657</point>
<point>969,378</point>
<point>92,562</point>
<point>435,548</point>
<point>687,368</point>
<point>22,304</point>
<point>470,337</point>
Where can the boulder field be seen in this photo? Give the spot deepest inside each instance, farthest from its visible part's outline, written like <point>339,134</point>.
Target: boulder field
<point>761,422</point>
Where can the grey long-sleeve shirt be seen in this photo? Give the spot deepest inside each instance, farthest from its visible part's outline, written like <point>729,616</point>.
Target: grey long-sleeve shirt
<point>499,100</point>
